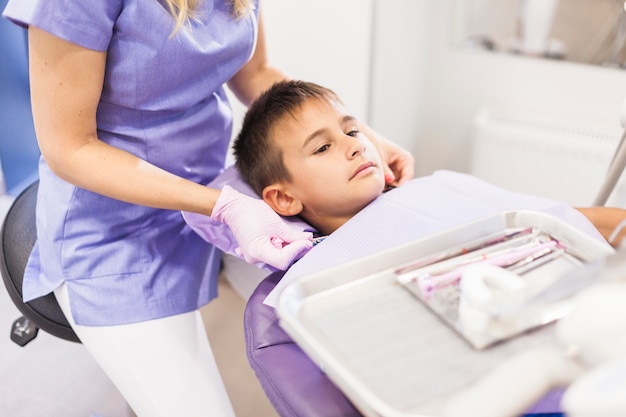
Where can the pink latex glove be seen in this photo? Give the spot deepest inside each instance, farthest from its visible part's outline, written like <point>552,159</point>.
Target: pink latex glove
<point>261,234</point>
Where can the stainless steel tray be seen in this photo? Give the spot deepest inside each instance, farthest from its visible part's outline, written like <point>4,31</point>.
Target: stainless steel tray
<point>391,354</point>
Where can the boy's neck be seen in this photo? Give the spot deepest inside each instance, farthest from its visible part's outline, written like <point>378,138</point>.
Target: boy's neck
<point>326,226</point>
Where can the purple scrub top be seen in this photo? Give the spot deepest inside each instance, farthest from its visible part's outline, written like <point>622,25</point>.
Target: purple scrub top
<point>163,101</point>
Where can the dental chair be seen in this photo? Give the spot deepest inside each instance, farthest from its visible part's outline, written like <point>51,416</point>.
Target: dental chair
<point>17,238</point>
<point>293,383</point>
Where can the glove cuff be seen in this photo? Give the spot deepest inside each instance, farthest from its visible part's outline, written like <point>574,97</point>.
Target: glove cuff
<point>227,195</point>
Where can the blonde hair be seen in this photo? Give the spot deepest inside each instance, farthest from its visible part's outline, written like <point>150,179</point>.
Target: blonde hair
<point>185,10</point>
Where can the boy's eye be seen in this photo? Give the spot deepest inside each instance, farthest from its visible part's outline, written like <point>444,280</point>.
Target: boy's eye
<point>353,133</point>
<point>322,149</point>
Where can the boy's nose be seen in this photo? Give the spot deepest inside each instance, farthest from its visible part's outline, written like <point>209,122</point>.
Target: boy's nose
<point>356,147</point>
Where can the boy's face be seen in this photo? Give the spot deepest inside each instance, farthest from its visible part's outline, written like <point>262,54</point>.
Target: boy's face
<point>335,169</point>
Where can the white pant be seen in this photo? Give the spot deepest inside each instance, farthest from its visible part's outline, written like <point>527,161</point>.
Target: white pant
<point>162,367</point>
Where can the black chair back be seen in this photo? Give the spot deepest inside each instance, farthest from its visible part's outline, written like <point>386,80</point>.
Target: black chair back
<point>17,237</point>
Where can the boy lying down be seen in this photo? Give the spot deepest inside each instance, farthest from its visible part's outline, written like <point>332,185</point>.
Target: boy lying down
<point>307,158</point>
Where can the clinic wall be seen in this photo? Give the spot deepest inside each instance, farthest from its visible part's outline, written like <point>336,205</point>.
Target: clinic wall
<point>401,36</point>
<point>325,41</point>
<point>458,84</point>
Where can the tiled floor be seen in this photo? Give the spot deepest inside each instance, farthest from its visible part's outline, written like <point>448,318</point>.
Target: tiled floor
<point>51,377</point>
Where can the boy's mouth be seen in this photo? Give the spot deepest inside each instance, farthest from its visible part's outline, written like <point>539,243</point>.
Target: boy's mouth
<point>363,167</point>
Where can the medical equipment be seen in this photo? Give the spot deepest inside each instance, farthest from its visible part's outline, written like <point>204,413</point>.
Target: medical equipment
<point>587,358</point>
<point>616,167</point>
<point>499,286</point>
<point>512,257</point>
<point>594,334</point>
<point>350,320</point>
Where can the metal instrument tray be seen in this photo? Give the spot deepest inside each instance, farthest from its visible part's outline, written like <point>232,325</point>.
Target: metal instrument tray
<point>388,352</point>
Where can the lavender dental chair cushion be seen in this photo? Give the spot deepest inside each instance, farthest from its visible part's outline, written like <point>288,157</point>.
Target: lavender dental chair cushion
<point>295,386</point>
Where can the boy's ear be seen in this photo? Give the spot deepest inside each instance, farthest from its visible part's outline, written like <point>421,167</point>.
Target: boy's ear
<point>279,199</point>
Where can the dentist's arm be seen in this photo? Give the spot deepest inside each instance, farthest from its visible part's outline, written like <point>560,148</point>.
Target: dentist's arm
<point>66,84</point>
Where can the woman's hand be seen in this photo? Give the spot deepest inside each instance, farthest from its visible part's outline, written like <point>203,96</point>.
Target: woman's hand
<point>261,234</point>
<point>399,163</point>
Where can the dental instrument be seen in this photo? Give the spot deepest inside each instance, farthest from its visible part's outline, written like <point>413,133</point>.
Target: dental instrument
<point>511,236</point>
<point>428,283</point>
<point>616,167</point>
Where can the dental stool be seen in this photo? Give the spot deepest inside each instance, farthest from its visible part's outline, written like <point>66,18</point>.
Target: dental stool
<point>293,383</point>
<point>17,237</point>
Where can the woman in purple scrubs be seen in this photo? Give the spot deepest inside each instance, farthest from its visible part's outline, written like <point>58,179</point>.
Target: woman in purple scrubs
<point>132,119</point>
